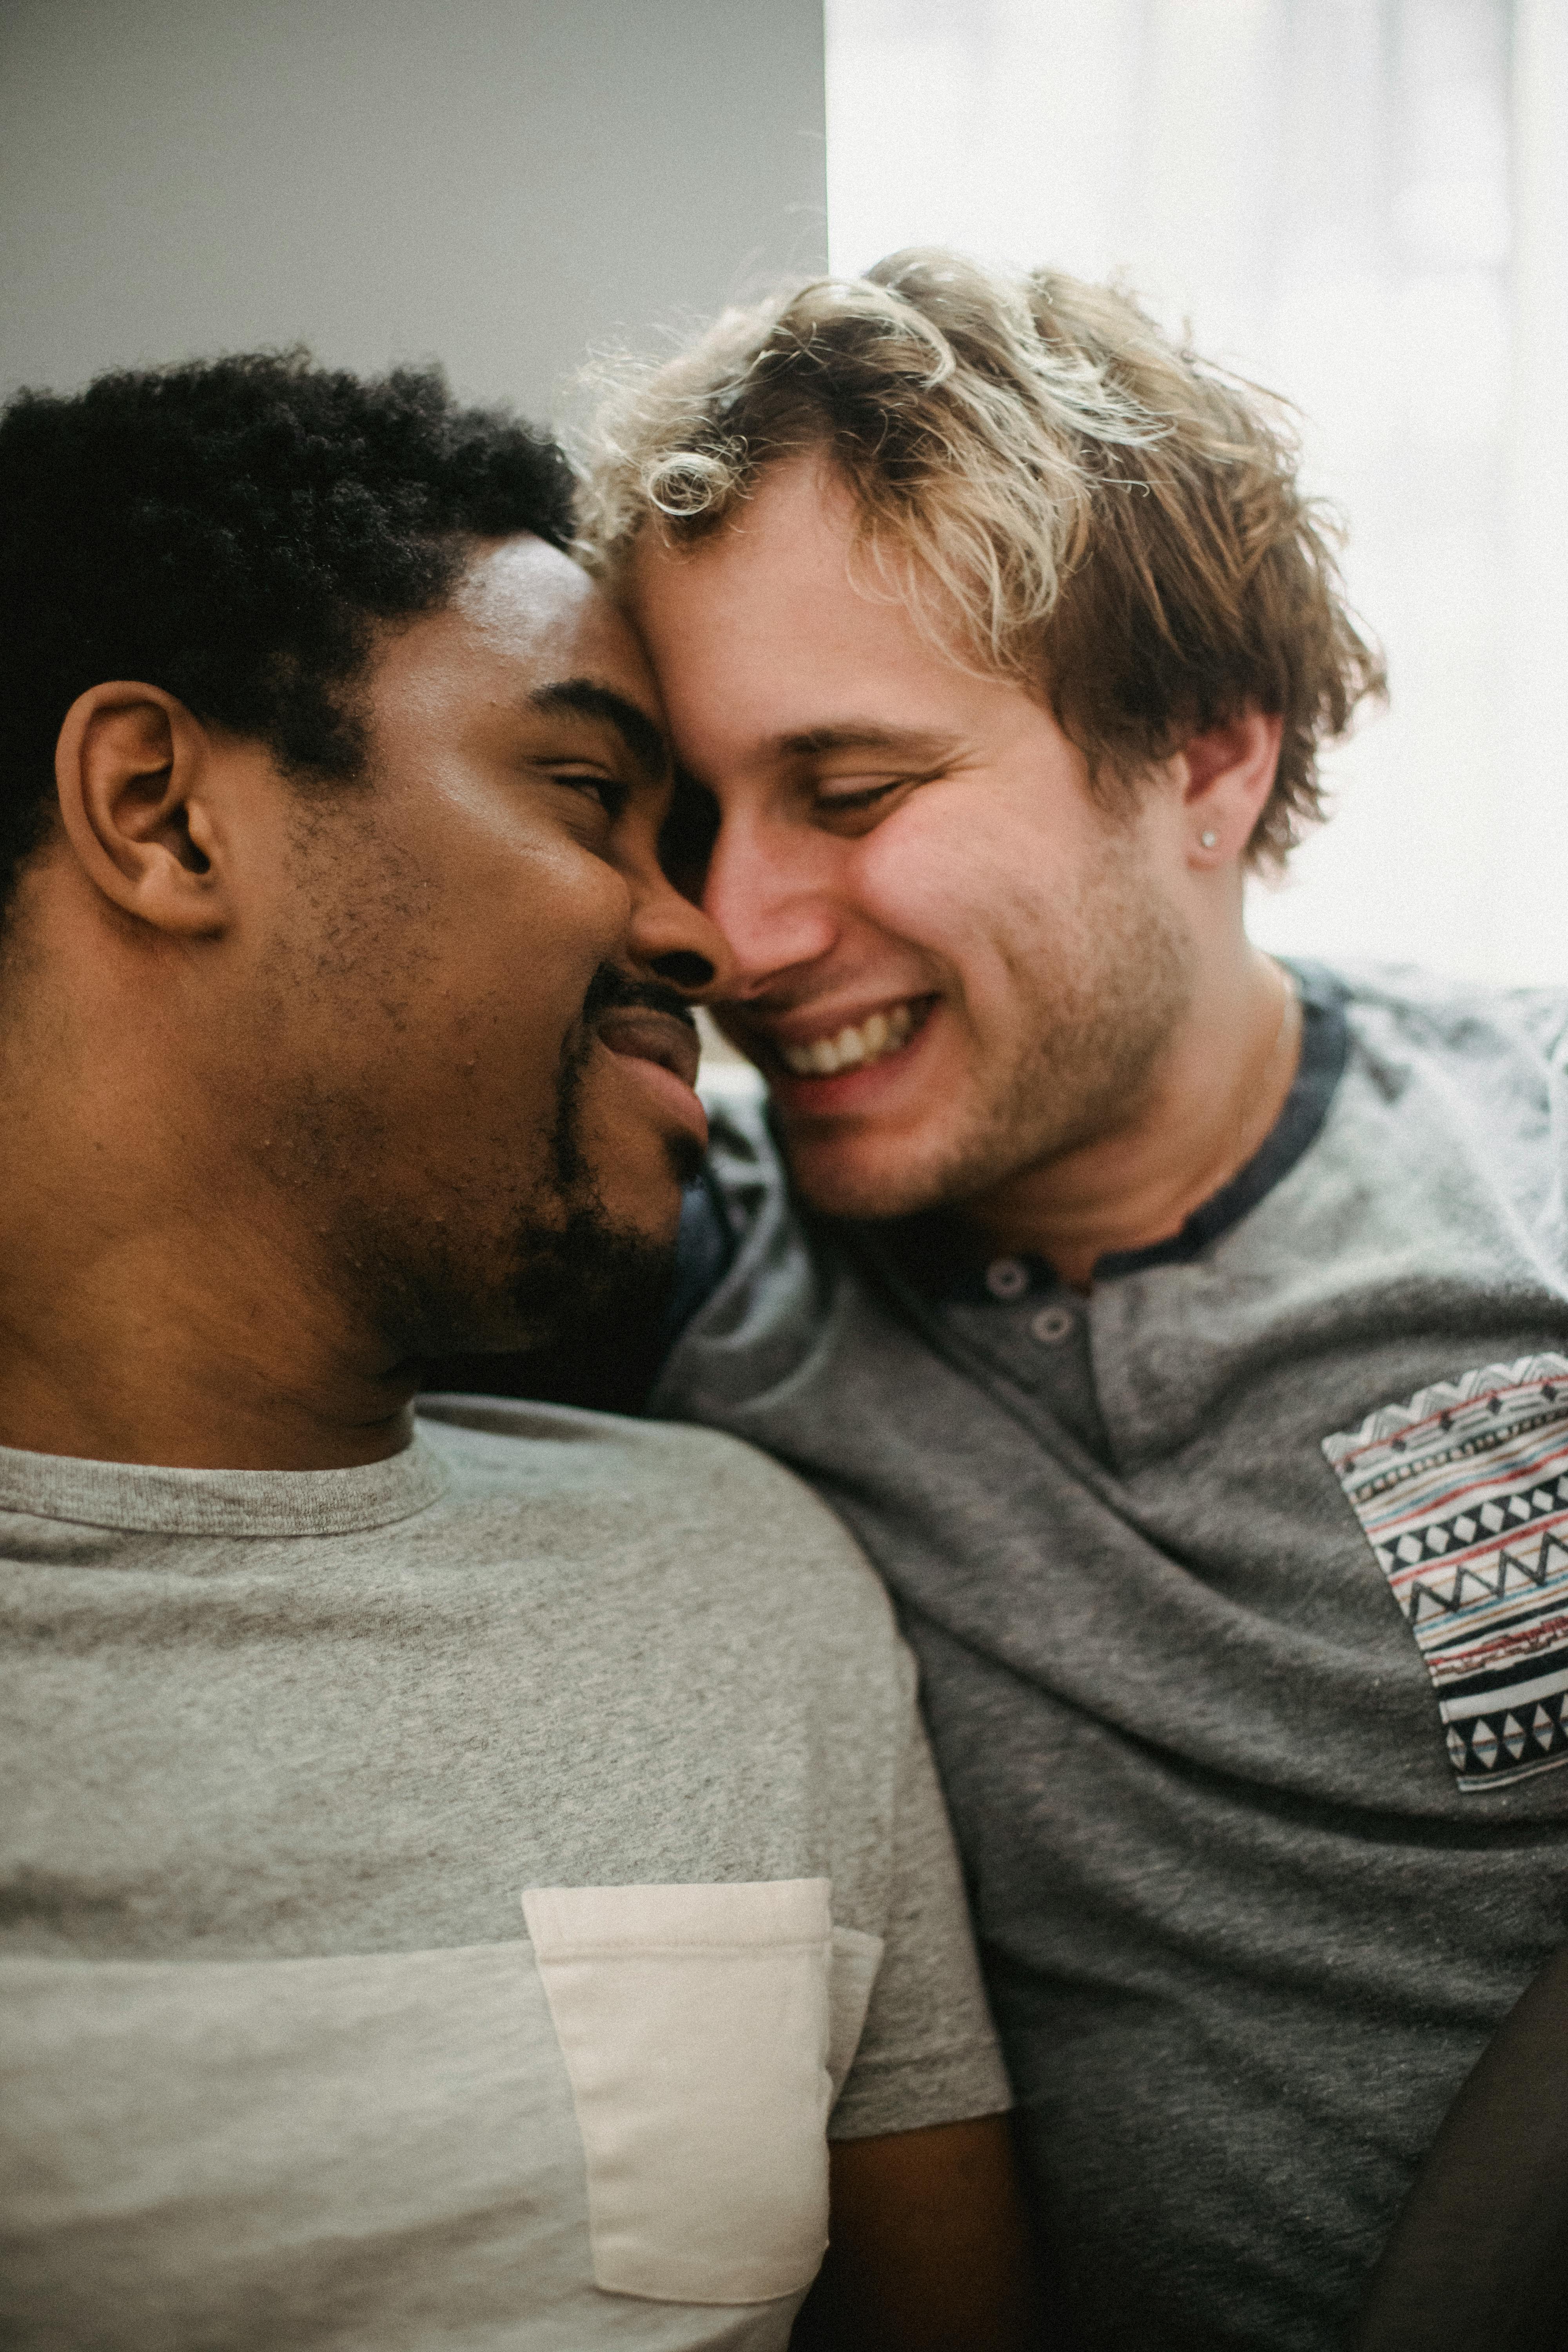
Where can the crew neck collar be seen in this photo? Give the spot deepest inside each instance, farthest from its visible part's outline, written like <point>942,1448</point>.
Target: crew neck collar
<point>149,1499</point>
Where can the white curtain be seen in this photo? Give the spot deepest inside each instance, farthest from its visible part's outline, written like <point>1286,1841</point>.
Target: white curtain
<point>1362,204</point>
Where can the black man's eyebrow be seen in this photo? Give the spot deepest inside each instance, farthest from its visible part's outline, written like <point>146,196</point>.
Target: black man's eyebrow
<point>643,739</point>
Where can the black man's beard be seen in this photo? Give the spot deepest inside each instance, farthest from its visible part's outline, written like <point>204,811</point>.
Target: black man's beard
<point>589,1296</point>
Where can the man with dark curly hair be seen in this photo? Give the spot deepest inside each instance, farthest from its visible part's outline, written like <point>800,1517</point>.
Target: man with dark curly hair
<point>1185,1334</point>
<point>458,1877</point>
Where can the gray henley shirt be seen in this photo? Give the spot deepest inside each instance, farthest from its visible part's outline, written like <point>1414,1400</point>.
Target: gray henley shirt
<point>1240,1592</point>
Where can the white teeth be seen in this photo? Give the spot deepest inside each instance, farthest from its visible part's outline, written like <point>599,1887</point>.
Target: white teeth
<point>881,1033</point>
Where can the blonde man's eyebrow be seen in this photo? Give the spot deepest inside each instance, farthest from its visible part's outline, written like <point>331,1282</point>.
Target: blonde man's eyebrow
<point>920,747</point>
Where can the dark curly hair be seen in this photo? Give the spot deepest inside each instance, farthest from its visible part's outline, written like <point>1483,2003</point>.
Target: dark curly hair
<point>232,531</point>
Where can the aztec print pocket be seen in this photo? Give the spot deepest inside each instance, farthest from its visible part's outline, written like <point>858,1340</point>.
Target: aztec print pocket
<point>1463,1496</point>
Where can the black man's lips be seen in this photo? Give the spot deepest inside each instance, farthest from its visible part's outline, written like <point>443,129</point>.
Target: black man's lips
<point>642,1034</point>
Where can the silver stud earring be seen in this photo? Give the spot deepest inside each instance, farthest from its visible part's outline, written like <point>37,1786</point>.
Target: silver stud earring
<point>1209,840</point>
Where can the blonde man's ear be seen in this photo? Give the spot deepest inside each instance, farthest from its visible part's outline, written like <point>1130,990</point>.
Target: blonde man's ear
<point>1227,775</point>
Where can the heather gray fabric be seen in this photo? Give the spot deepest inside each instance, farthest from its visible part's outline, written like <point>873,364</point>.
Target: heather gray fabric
<point>1251,1903</point>
<point>281,1753</point>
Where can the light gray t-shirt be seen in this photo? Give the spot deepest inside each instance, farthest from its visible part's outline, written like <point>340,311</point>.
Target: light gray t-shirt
<point>1240,1593</point>
<point>447,1902</point>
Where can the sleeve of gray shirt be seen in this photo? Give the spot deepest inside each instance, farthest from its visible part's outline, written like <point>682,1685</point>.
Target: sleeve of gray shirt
<point>928,2053</point>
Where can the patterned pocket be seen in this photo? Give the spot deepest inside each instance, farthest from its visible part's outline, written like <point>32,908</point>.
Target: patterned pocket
<point>1463,1496</point>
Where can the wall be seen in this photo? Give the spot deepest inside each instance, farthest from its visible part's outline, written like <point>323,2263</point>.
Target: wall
<point>497,183</point>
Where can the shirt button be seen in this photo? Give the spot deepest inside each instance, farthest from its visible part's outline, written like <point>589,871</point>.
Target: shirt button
<point>1051,1326</point>
<point>1006,1277</point>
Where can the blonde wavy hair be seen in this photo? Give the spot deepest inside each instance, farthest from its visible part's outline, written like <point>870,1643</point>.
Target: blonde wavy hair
<point>1057,491</point>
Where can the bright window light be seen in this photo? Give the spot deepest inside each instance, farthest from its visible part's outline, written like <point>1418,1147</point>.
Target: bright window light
<point>1364,204</point>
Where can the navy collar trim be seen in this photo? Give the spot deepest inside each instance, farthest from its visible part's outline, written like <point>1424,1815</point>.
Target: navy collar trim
<point>946,1270</point>
<point>1325,1043</point>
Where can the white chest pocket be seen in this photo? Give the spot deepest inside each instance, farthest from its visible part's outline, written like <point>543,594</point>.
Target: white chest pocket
<point>695,2025</point>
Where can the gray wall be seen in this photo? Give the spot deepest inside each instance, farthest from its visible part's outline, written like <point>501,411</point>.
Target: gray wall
<point>500,183</point>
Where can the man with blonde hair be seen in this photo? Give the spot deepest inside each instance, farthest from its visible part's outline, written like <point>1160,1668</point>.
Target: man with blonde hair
<point>1182,1333</point>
